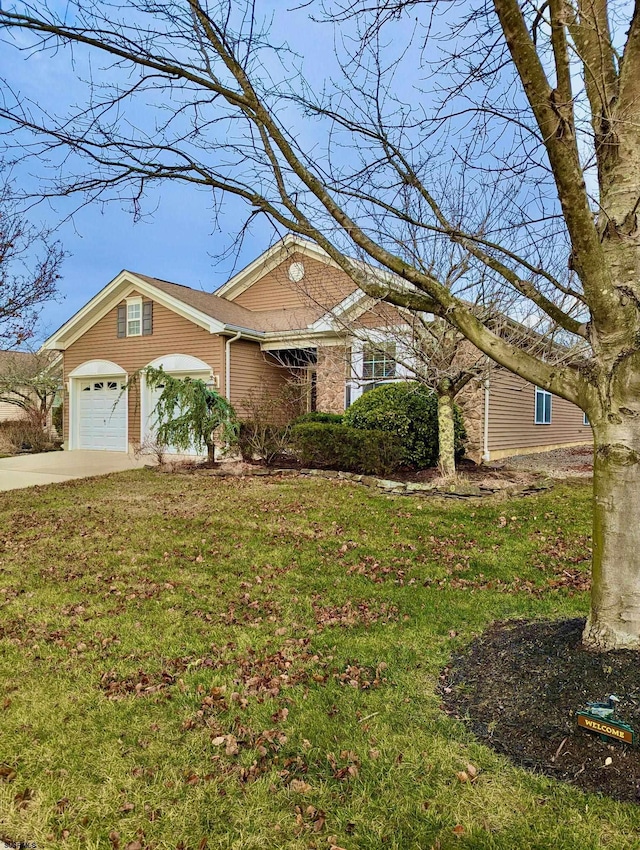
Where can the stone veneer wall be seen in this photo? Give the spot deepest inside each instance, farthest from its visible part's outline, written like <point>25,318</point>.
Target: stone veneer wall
<point>330,383</point>
<point>471,402</point>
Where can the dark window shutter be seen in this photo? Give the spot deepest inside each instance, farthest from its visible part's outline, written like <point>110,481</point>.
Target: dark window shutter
<point>147,318</point>
<point>122,320</point>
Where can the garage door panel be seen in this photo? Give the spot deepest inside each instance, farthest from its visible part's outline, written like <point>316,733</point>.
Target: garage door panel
<point>152,397</point>
<point>102,414</point>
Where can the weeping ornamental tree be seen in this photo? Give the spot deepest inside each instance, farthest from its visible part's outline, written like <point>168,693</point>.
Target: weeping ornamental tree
<point>510,130</point>
<point>189,414</point>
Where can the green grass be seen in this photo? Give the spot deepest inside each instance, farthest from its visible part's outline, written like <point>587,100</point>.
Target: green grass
<point>254,663</point>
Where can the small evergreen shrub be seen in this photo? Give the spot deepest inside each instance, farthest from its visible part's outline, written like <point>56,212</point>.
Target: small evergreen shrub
<point>319,416</point>
<point>410,411</point>
<point>56,419</point>
<point>327,446</point>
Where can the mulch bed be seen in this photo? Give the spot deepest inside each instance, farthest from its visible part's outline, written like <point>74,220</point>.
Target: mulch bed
<point>517,688</point>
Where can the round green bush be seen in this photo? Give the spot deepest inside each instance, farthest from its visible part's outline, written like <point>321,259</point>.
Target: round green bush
<point>409,410</point>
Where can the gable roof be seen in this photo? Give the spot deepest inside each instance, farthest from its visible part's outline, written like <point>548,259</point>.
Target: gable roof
<point>269,259</point>
<point>217,312</point>
<point>213,313</point>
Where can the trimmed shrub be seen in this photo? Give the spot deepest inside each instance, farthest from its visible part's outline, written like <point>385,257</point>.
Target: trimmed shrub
<point>327,446</point>
<point>318,416</point>
<point>409,410</point>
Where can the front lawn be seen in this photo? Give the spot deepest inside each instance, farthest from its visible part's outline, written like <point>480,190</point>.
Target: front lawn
<point>192,662</point>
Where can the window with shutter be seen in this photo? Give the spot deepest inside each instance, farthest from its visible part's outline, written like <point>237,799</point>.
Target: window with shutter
<point>122,321</point>
<point>147,318</point>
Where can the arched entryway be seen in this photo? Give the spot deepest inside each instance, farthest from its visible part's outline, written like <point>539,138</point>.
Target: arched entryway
<point>98,407</point>
<point>178,366</point>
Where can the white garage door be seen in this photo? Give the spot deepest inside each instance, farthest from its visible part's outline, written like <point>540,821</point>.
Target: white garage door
<point>102,414</point>
<point>152,397</point>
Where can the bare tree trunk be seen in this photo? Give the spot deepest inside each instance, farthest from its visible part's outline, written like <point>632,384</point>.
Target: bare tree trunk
<point>446,435</point>
<point>211,452</point>
<point>614,621</point>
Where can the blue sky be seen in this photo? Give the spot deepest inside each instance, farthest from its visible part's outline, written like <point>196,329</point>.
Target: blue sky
<point>176,239</point>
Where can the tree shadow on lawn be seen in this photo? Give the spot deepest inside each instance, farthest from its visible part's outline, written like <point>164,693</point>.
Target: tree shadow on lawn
<point>518,686</point>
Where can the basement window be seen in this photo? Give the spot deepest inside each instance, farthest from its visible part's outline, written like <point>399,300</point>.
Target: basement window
<point>543,407</point>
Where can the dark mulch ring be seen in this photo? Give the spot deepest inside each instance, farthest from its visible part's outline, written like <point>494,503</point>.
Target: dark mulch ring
<point>517,688</point>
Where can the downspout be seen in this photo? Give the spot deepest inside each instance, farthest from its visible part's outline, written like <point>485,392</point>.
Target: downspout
<point>227,365</point>
<point>486,455</point>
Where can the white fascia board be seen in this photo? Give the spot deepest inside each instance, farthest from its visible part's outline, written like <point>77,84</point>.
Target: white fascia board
<point>110,296</point>
<point>247,333</point>
<point>348,310</point>
<point>275,342</point>
<point>268,261</point>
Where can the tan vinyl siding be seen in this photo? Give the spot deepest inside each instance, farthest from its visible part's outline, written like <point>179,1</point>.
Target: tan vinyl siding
<point>512,417</point>
<point>322,284</point>
<point>253,370</point>
<point>172,334</point>
<point>10,412</point>
<point>382,316</point>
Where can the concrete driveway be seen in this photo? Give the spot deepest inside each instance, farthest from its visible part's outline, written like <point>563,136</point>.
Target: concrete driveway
<point>51,467</point>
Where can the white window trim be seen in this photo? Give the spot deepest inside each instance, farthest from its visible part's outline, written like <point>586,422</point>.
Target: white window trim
<point>545,394</point>
<point>131,302</point>
<point>355,381</point>
<point>378,356</point>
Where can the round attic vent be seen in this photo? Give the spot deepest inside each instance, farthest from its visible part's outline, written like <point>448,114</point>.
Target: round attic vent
<point>296,272</point>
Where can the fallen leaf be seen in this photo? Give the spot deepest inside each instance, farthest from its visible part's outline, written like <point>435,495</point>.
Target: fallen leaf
<point>7,774</point>
<point>231,748</point>
<point>299,786</point>
<point>472,770</point>
<point>22,798</point>
<point>458,830</point>
<point>463,776</point>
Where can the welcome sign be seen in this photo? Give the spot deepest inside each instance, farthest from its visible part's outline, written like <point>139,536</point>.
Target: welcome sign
<point>606,728</point>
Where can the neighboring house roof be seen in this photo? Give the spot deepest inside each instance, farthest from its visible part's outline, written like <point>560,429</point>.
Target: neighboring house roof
<point>8,359</point>
<point>24,362</point>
